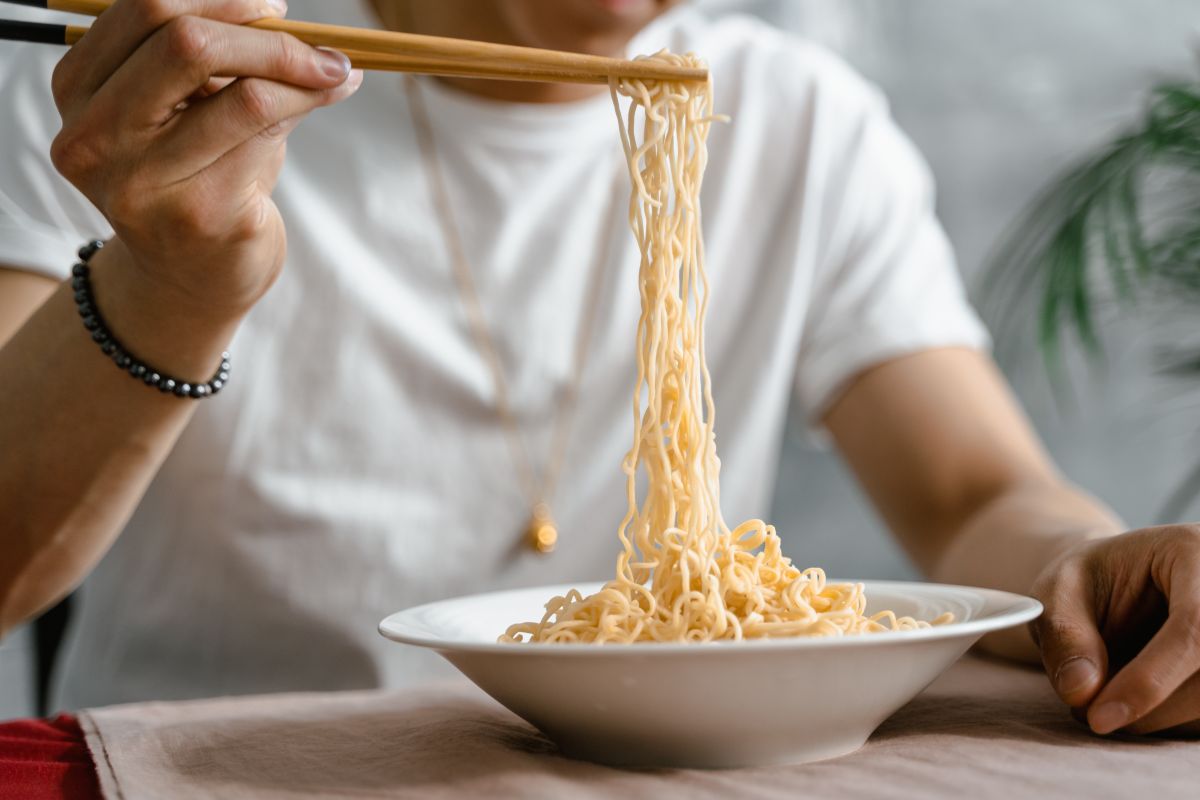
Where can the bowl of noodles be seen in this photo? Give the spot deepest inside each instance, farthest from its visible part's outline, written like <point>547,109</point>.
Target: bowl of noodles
<point>715,704</point>
<point>709,647</point>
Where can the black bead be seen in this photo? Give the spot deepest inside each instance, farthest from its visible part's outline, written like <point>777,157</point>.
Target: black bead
<point>99,336</point>
<point>216,385</point>
<point>167,385</point>
<point>222,376</point>
<point>86,310</point>
<point>199,390</point>
<point>225,366</point>
<point>109,347</point>
<point>79,281</point>
<point>137,370</point>
<point>80,270</point>
<point>90,249</point>
<point>125,361</point>
<point>91,323</point>
<point>81,295</point>
<point>183,389</point>
<point>152,378</point>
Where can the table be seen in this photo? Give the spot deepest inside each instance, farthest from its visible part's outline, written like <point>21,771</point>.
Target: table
<point>985,729</point>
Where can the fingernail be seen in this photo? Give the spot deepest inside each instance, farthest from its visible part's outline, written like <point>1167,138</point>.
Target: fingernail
<point>277,7</point>
<point>1074,675</point>
<point>334,63</point>
<point>354,80</point>
<point>1109,717</point>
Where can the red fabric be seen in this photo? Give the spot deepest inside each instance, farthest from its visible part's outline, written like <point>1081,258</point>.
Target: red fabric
<point>46,759</point>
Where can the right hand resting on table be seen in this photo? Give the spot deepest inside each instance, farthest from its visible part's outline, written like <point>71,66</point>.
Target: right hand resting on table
<point>175,119</point>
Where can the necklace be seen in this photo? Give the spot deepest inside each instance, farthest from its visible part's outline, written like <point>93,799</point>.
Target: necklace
<point>541,533</point>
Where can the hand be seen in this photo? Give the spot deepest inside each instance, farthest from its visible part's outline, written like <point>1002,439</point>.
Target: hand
<point>1120,637</point>
<point>175,119</point>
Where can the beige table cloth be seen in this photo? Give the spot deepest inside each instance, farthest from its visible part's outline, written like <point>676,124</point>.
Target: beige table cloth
<point>983,730</point>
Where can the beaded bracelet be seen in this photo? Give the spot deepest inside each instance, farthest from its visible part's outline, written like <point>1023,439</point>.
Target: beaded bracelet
<point>101,335</point>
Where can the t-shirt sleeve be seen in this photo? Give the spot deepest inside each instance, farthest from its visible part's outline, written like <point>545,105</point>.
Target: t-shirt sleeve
<point>886,283</point>
<point>43,219</point>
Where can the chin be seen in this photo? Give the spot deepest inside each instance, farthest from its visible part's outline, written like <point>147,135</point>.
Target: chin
<point>588,26</point>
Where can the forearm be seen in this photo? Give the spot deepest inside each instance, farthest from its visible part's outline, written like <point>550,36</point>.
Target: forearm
<point>81,439</point>
<point>1011,538</point>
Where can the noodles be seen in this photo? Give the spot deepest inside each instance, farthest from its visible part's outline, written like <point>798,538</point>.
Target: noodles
<point>683,575</point>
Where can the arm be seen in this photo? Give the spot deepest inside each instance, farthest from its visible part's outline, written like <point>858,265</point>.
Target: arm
<point>944,452</point>
<point>977,500</point>
<point>182,166</point>
<point>82,440</point>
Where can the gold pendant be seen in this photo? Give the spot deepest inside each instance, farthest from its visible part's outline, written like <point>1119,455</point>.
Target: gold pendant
<point>542,533</point>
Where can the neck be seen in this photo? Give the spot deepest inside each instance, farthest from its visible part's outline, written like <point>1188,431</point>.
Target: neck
<point>485,22</point>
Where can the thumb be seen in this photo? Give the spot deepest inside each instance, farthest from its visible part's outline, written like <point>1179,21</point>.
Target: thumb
<point>1073,650</point>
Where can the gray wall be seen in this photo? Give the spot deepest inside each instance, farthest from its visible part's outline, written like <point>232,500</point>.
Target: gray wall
<point>998,94</point>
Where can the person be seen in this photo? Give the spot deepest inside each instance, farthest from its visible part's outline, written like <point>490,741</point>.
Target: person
<point>356,462</point>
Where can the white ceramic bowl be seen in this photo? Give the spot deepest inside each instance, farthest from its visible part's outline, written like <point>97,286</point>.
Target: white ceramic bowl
<point>719,704</point>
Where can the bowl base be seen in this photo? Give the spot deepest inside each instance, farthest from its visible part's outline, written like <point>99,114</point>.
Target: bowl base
<point>707,758</point>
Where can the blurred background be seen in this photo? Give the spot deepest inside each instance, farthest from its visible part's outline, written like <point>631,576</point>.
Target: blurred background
<point>1000,95</point>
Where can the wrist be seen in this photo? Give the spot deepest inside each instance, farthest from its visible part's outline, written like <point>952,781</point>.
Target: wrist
<point>162,328</point>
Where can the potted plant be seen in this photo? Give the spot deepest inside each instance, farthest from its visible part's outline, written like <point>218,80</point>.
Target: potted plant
<point>1121,225</point>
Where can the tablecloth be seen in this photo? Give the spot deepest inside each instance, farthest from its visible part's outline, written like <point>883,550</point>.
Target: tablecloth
<point>983,730</point>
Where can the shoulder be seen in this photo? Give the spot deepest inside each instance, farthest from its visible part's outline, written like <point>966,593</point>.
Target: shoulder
<point>798,109</point>
<point>756,64</point>
<point>806,128</point>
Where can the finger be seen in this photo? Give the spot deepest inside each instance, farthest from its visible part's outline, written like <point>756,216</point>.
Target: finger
<point>1073,650</point>
<point>1169,659</point>
<point>186,53</point>
<point>120,30</point>
<point>241,215</point>
<point>1180,712</point>
<point>210,88</point>
<point>247,109</point>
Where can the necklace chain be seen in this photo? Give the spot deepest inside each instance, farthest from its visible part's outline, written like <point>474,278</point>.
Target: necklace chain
<point>542,533</point>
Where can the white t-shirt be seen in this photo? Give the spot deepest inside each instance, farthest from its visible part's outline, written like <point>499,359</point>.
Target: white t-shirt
<point>355,465</point>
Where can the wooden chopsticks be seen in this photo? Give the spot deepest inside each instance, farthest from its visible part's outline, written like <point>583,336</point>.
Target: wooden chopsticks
<point>410,52</point>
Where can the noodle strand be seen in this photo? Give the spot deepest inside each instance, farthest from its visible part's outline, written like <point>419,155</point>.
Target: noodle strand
<point>682,574</point>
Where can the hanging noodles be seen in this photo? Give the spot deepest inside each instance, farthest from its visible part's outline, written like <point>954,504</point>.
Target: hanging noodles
<point>683,575</point>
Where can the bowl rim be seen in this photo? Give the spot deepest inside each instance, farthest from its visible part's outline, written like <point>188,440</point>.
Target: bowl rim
<point>1015,609</point>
